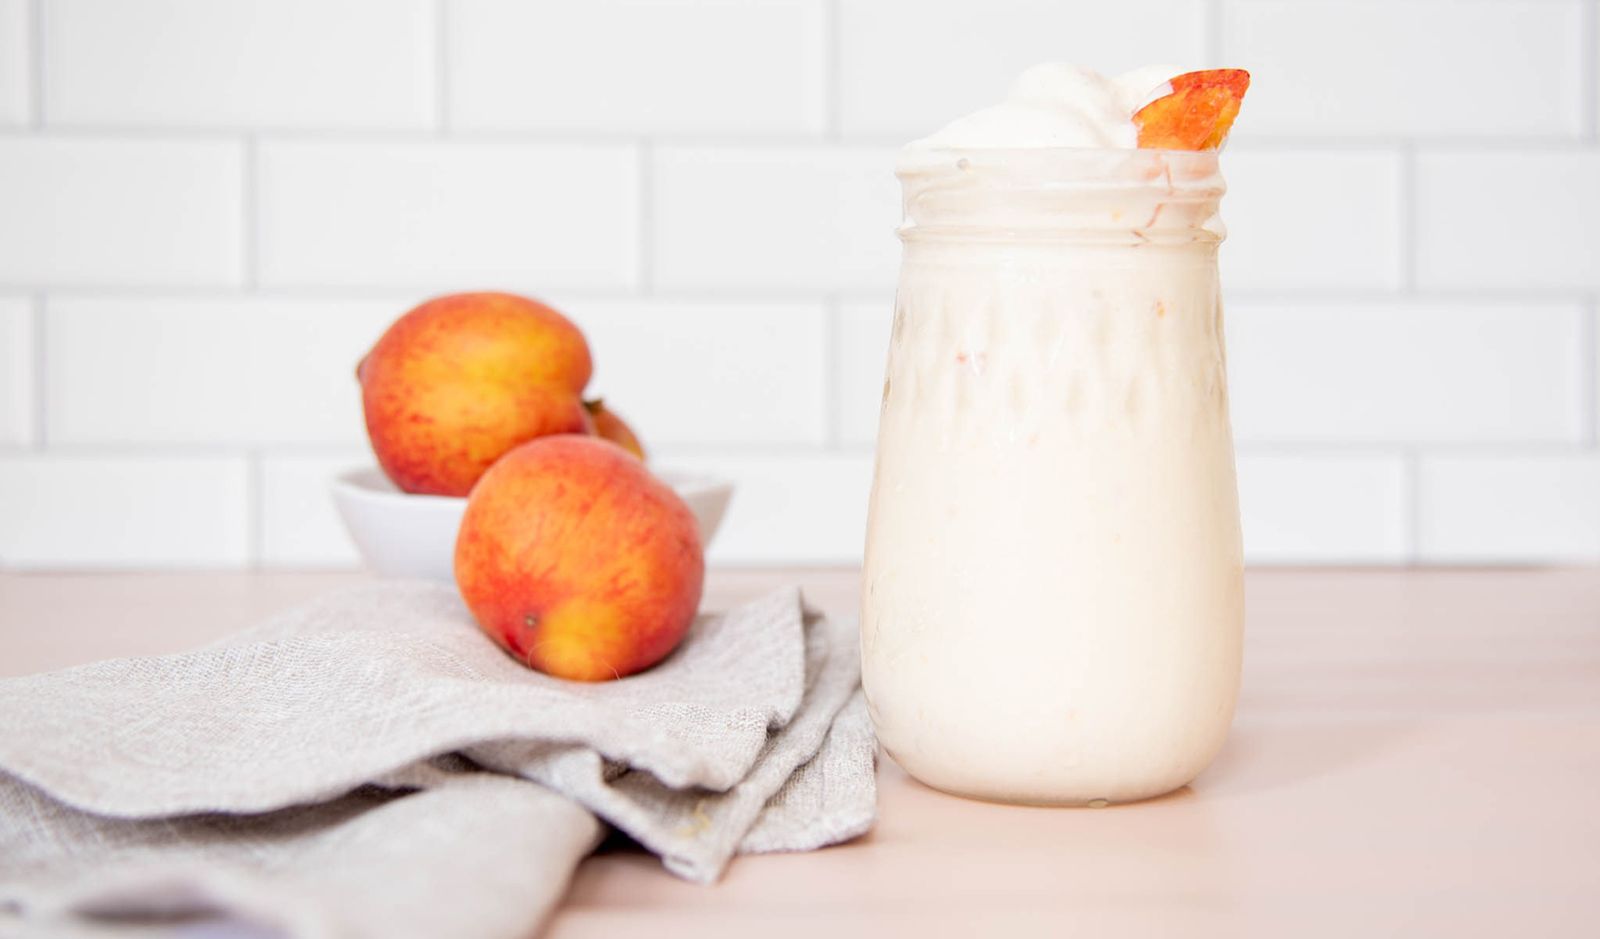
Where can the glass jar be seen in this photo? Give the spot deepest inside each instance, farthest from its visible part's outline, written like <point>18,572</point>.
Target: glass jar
<point>1053,591</point>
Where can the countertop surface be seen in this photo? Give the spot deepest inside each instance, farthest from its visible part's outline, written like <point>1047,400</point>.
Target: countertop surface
<point>1415,753</point>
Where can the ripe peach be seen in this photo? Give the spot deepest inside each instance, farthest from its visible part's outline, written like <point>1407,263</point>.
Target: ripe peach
<point>608,424</point>
<point>455,383</point>
<point>577,561</point>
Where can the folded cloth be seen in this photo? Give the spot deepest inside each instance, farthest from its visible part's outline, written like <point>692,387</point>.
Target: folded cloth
<point>370,765</point>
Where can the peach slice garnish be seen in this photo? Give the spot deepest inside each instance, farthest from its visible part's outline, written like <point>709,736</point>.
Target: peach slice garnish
<point>1197,115</point>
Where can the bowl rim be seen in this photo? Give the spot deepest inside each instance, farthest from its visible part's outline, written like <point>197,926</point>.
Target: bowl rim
<point>370,482</point>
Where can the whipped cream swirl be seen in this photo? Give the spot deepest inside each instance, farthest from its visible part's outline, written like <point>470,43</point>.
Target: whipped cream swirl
<point>1058,105</point>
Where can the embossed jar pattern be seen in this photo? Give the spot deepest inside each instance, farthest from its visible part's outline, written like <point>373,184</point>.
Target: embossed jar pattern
<point>1052,601</point>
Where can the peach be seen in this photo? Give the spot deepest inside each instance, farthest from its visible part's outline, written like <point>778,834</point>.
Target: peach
<point>577,561</point>
<point>611,426</point>
<point>1197,114</point>
<point>458,381</point>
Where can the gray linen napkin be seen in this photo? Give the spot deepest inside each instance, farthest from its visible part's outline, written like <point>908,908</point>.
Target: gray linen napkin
<point>370,765</point>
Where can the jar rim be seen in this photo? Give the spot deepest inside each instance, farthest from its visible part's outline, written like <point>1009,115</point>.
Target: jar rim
<point>1107,195</point>
<point>1212,154</point>
<point>1089,166</point>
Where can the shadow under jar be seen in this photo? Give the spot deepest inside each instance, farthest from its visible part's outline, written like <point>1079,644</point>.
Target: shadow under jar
<point>1053,589</point>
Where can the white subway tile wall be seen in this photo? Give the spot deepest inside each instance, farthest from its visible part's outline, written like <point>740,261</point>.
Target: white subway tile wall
<point>107,510</point>
<point>632,67</point>
<point>711,373</point>
<point>1324,507</point>
<point>1305,219</point>
<point>299,527</point>
<point>792,218</point>
<point>210,208</point>
<point>107,212</point>
<point>16,63</point>
<point>1532,507</point>
<point>907,66</point>
<point>861,347</point>
<point>794,507</point>
<point>239,63</point>
<point>1416,68</point>
<point>360,214</point>
<point>16,371</point>
<point>241,371</point>
<point>1398,373</point>
<point>1509,220</point>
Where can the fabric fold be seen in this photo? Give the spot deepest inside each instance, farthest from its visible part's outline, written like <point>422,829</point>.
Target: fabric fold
<point>372,749</point>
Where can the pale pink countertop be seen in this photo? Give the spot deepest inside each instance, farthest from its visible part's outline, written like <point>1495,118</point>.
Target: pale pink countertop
<point>1416,753</point>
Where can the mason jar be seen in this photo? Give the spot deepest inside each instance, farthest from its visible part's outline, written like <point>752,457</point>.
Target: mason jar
<point>1053,593</point>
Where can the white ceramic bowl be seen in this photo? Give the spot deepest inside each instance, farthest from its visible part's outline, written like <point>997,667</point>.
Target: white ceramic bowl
<point>405,535</point>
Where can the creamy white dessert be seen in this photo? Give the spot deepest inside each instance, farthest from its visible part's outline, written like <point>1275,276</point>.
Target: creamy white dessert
<point>1053,595</point>
<point>1058,105</point>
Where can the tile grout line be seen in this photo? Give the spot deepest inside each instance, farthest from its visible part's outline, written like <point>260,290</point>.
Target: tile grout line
<point>1455,447</point>
<point>832,122</point>
<point>254,510</point>
<point>441,61</point>
<point>191,450</point>
<point>715,294</point>
<point>1589,69</point>
<point>704,445</point>
<point>1344,143</point>
<point>758,143</point>
<point>250,212</point>
<point>1592,350</point>
<point>832,314</point>
<point>36,63</point>
<point>41,355</point>
<point>644,264</point>
<point>1412,490</point>
<point>1213,34</point>
<point>1408,218</point>
<point>1589,336</point>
